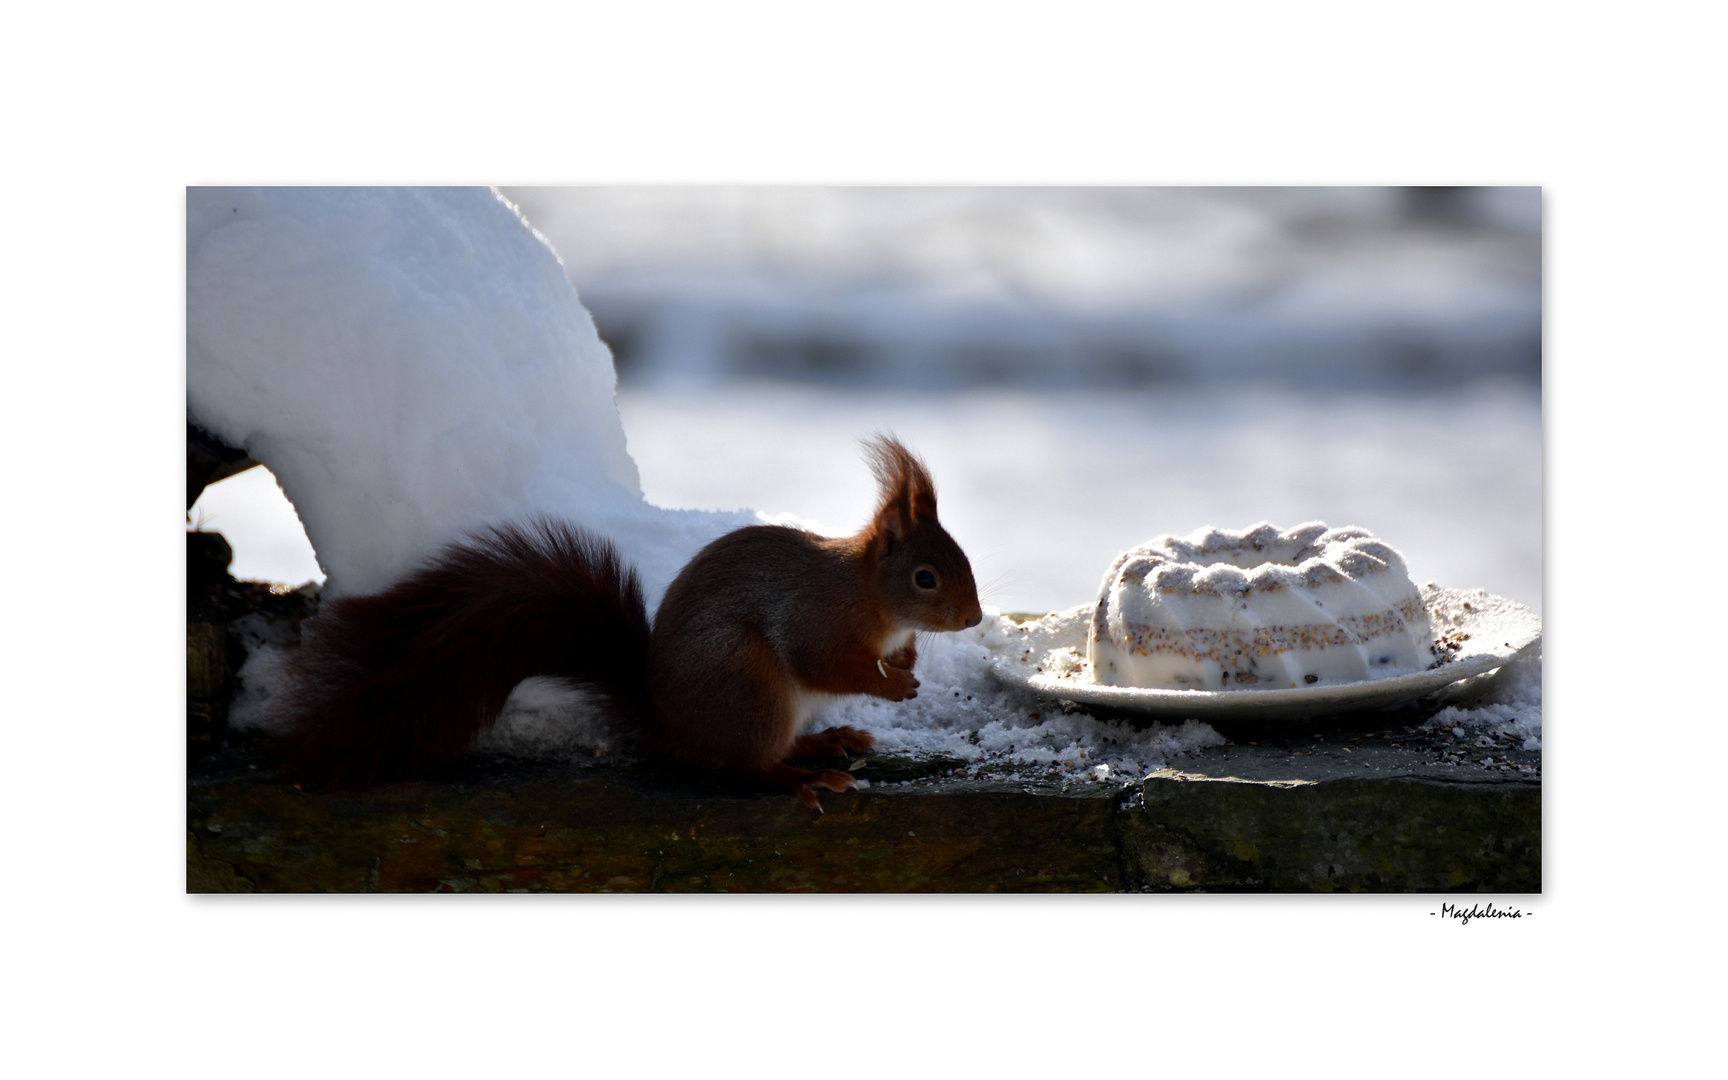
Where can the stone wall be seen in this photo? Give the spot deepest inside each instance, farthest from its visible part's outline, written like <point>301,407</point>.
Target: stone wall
<point>1370,802</point>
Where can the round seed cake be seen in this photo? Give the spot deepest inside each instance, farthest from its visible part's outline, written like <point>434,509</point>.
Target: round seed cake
<point>1258,609</point>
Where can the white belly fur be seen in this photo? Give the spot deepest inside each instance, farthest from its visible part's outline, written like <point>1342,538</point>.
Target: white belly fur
<point>806,704</point>
<point>895,641</point>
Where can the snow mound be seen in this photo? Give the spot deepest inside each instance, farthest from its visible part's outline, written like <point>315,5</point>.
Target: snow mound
<point>413,366</point>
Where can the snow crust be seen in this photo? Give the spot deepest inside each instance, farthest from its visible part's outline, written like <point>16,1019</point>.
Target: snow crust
<point>263,681</point>
<point>1512,708</point>
<point>963,711</point>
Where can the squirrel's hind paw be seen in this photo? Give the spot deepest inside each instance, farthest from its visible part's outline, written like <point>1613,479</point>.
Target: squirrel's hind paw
<point>832,779</point>
<point>855,740</point>
<point>802,782</point>
<point>900,685</point>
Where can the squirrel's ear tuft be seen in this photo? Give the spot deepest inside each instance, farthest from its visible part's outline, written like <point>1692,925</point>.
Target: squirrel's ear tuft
<point>893,520</point>
<point>908,494</point>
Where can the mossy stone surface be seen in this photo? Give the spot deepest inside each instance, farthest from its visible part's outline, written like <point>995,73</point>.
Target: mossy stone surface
<point>505,825</point>
<point>513,826</point>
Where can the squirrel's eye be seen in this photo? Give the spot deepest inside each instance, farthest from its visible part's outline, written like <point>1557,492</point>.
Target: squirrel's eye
<point>924,579</point>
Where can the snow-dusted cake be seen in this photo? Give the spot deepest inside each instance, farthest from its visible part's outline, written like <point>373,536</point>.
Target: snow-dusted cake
<point>1258,609</point>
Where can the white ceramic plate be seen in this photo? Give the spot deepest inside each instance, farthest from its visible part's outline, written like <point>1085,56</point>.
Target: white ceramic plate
<point>1488,630</point>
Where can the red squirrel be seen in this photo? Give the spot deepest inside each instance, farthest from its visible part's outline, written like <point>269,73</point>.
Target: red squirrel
<point>756,631</point>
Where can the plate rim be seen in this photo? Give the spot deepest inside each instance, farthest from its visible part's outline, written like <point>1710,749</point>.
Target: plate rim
<point>1297,702</point>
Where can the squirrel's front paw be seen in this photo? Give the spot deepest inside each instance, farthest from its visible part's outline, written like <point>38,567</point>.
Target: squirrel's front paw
<point>898,684</point>
<point>903,657</point>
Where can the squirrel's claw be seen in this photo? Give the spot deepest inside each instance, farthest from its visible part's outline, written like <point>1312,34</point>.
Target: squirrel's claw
<point>834,780</point>
<point>831,779</point>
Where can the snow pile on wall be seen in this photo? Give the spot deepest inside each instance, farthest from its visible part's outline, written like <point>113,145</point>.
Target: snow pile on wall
<point>412,365</point>
<point>1511,709</point>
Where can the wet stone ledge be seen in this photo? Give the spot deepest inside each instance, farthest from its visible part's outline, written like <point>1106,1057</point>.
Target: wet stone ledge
<point>1265,818</point>
<point>1341,814</point>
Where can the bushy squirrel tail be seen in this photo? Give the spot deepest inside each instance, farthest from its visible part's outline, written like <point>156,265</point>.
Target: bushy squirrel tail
<point>399,683</point>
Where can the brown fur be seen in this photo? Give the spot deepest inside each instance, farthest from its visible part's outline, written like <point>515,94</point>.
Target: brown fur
<point>758,621</point>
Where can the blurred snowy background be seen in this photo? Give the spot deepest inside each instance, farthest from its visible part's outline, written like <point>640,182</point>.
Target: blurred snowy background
<point>1083,368</point>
